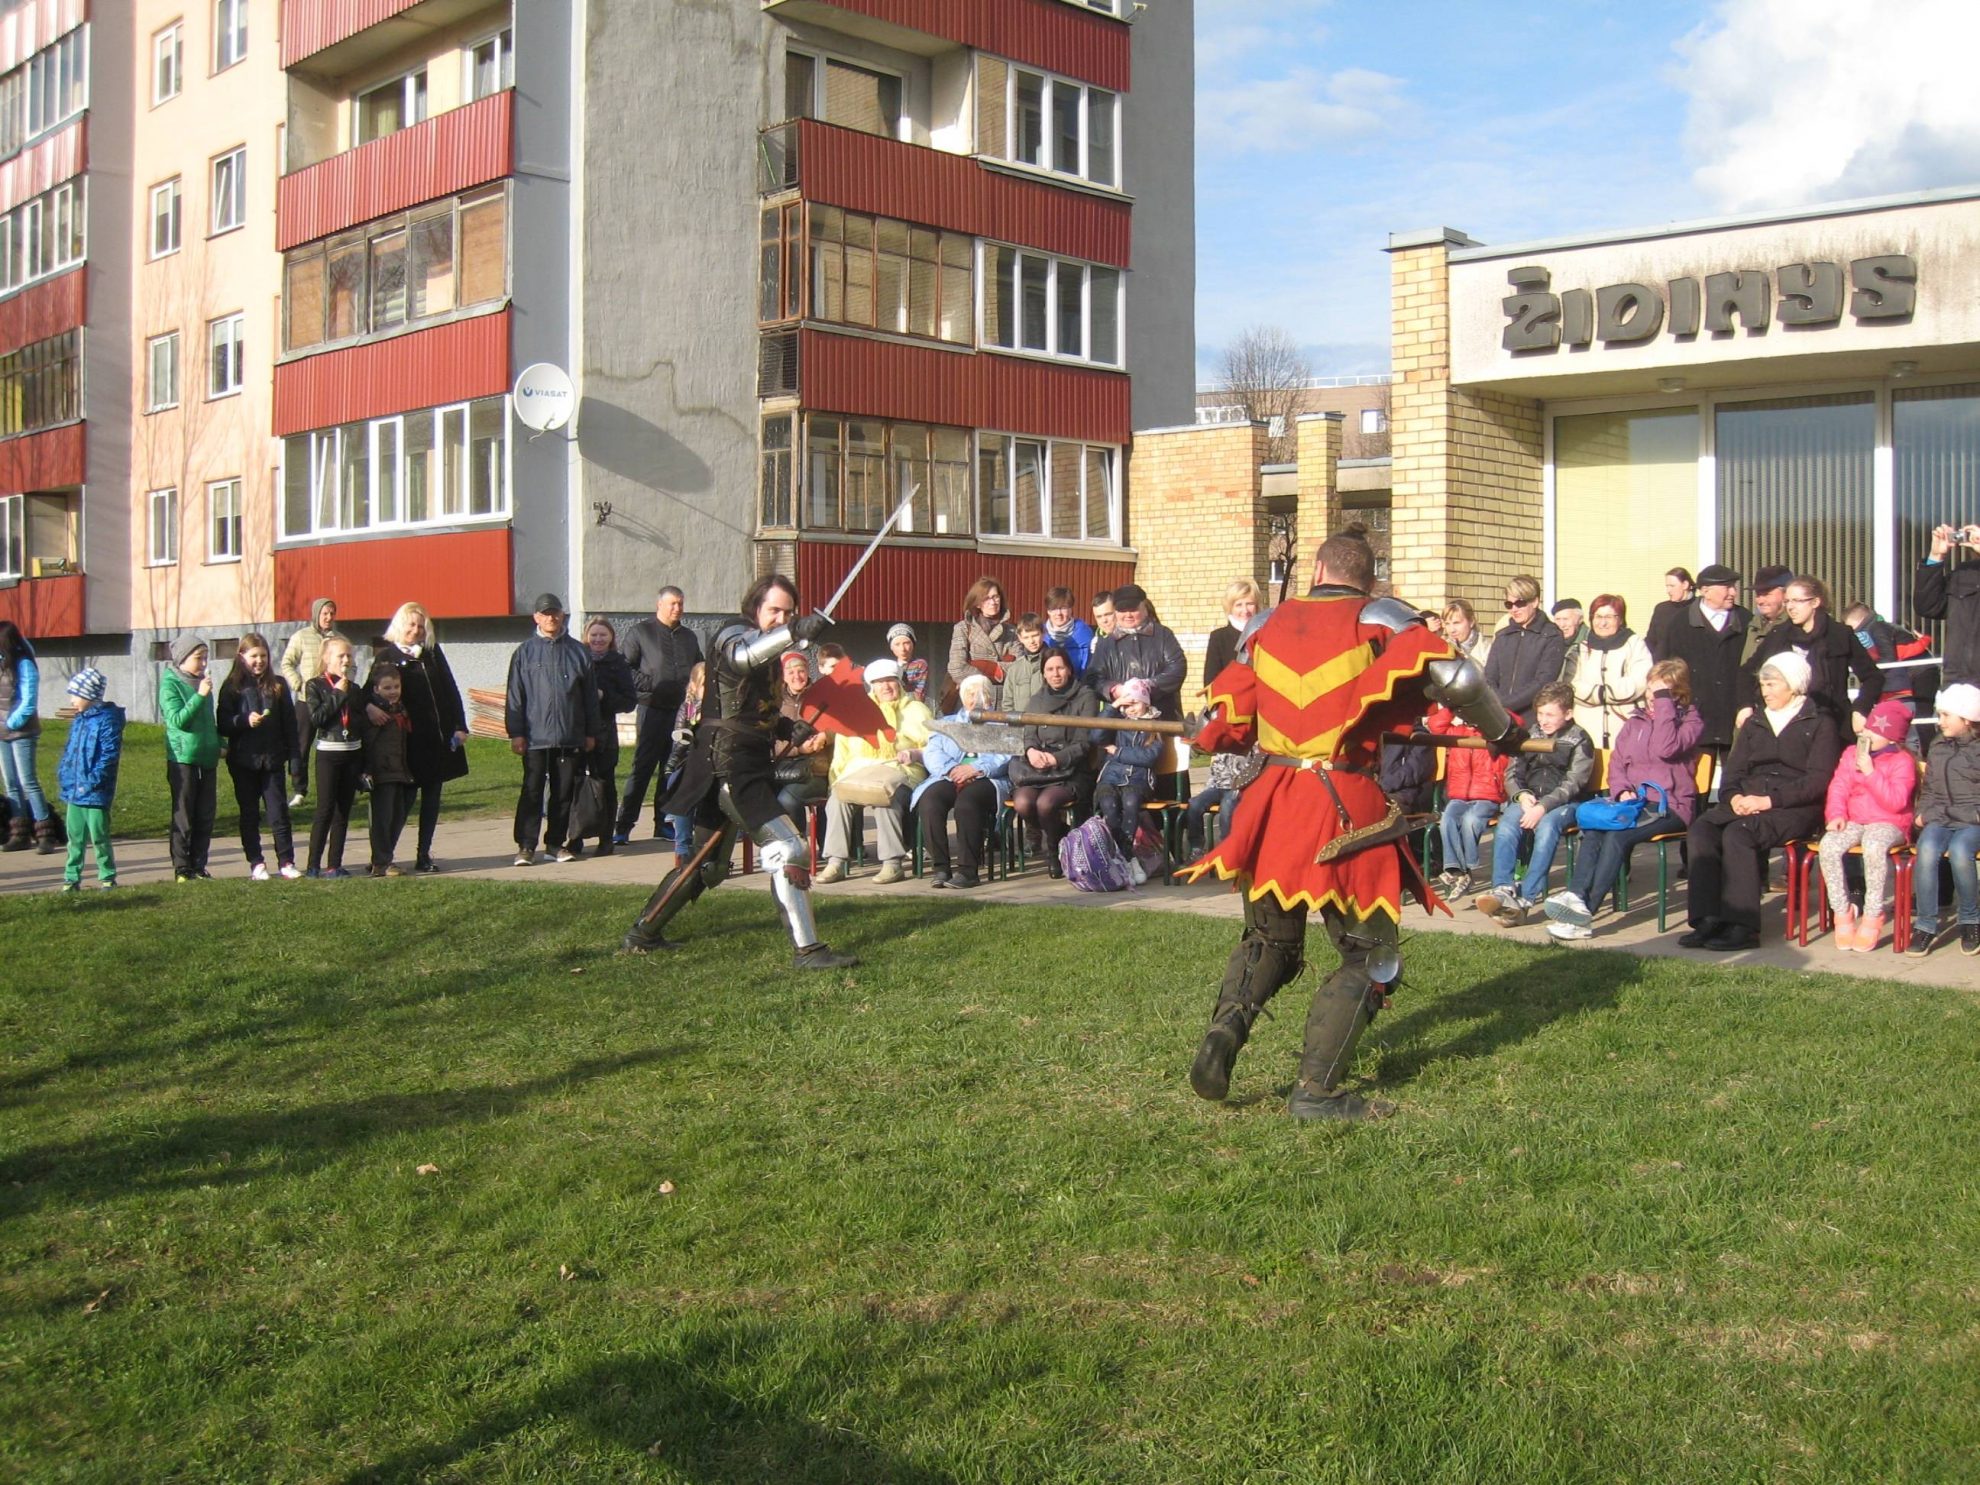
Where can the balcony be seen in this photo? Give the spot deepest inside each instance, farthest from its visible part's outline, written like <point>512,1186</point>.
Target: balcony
<point>1070,40</point>
<point>46,607</point>
<point>462,148</point>
<point>340,36</point>
<point>865,172</point>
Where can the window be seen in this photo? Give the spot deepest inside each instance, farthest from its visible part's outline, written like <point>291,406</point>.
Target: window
<point>491,66</point>
<point>397,271</point>
<point>1054,490</point>
<point>1935,437</point>
<point>230,19</point>
<point>443,465</point>
<point>780,287</point>
<point>1374,420</point>
<point>162,372</point>
<point>223,521</point>
<point>168,63</point>
<point>1051,306</point>
<point>1052,123</point>
<point>888,275</point>
<point>13,536</point>
<point>396,105</point>
<point>857,470</point>
<point>776,509</point>
<point>836,92</point>
<point>44,92</point>
<point>226,350</point>
<point>1625,499</point>
<point>165,218</point>
<point>161,548</point>
<point>41,384</point>
<point>230,190</point>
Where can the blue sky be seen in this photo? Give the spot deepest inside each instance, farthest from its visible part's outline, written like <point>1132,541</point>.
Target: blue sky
<point>1324,125</point>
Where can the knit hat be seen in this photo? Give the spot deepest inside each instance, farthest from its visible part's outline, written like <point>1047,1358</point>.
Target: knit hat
<point>1961,699</point>
<point>1791,668</point>
<point>1133,690</point>
<point>898,631</point>
<point>88,684</point>
<point>183,647</point>
<point>1889,721</point>
<point>882,670</point>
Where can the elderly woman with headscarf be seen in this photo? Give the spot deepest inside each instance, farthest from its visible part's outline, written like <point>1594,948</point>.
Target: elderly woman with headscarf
<point>1773,789</point>
<point>878,776</point>
<point>970,786</point>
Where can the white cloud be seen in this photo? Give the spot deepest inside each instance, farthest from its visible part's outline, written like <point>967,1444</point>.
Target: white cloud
<point>1797,101</point>
<point>1305,109</point>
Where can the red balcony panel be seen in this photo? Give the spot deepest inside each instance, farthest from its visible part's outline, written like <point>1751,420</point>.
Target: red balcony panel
<point>44,165</point>
<point>45,608</point>
<point>308,26</point>
<point>53,460</point>
<point>1044,33</point>
<point>44,309</point>
<point>925,584</point>
<point>883,379</point>
<point>863,172</point>
<point>25,31</point>
<point>455,574</point>
<point>461,149</point>
<point>449,363</point>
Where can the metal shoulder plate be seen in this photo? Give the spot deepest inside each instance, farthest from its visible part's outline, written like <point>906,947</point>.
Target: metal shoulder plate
<point>1390,613</point>
<point>1246,634</point>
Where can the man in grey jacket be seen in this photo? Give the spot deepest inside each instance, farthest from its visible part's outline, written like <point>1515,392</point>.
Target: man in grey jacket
<point>553,719</point>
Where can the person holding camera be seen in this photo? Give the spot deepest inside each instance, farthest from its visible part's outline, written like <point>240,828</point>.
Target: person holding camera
<point>1947,586</point>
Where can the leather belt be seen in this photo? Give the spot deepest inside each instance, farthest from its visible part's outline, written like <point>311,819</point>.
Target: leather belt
<point>1314,765</point>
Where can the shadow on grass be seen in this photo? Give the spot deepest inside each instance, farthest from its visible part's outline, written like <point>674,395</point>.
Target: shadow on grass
<point>673,1404</point>
<point>1494,1013</point>
<point>228,1149</point>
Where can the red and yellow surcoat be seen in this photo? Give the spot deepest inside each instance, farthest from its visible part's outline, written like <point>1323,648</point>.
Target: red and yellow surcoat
<point>1322,684</point>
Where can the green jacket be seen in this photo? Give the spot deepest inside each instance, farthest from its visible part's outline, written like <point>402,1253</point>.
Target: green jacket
<point>190,733</point>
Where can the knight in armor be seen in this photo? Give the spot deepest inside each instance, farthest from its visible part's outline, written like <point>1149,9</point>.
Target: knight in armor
<point>729,780</point>
<point>1317,685</point>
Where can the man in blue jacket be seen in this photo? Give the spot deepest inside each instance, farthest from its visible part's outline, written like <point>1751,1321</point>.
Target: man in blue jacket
<point>553,719</point>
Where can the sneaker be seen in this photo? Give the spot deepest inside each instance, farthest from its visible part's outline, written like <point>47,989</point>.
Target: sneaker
<point>425,867</point>
<point>1514,912</point>
<point>835,871</point>
<point>336,873</point>
<point>1921,941</point>
<point>260,872</point>
<point>107,883</point>
<point>525,858</point>
<point>1569,933</point>
<point>1137,874</point>
<point>1969,939</point>
<point>1490,902</point>
<point>622,837</point>
<point>68,887</point>
<point>1568,908</point>
<point>564,854</point>
<point>891,871</point>
<point>203,875</point>
<point>963,881</point>
<point>287,871</point>
<point>295,799</point>
<point>938,880</point>
<point>182,877</point>
<point>1452,884</point>
<point>392,869</point>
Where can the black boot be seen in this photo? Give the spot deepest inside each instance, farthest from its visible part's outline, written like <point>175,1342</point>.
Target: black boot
<point>1341,1011</point>
<point>20,834</point>
<point>1257,968</point>
<point>823,956</point>
<point>648,934</point>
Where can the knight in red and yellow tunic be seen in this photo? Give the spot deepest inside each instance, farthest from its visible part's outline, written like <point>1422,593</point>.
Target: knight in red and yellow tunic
<point>1326,677</point>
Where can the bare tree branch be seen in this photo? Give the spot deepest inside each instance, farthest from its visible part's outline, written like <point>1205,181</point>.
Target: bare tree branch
<point>1264,370</point>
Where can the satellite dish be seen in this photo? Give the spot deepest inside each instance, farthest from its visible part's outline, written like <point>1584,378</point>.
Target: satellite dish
<point>544,397</point>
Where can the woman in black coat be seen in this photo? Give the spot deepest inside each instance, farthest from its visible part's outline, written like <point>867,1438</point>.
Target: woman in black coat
<point>612,678</point>
<point>1832,651</point>
<point>1773,791</point>
<point>436,749</point>
<point>1054,769</point>
<point>1242,601</point>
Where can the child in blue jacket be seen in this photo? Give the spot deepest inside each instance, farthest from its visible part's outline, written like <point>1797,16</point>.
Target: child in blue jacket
<point>88,776</point>
<point>1127,769</point>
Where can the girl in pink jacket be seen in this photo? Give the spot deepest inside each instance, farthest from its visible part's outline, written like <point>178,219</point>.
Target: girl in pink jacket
<point>1869,806</point>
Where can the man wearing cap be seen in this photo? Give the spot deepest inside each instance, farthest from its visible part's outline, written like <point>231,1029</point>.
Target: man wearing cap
<point>1138,647</point>
<point>1710,636</point>
<point>553,719</point>
<point>1769,608</point>
<point>662,652</point>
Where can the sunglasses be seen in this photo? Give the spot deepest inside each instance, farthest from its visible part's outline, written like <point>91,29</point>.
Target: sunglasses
<point>1521,602</point>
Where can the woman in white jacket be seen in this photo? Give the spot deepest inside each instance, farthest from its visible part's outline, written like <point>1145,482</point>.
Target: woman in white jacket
<point>1608,671</point>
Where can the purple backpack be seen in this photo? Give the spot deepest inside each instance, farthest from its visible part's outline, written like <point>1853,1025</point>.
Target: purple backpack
<point>1091,859</point>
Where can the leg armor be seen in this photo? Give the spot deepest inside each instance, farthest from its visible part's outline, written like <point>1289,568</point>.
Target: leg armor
<point>704,869</point>
<point>785,856</point>
<point>1269,955</point>
<point>1342,1008</point>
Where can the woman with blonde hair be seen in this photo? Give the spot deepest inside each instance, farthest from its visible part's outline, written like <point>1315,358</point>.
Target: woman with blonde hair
<point>436,749</point>
<point>1242,601</point>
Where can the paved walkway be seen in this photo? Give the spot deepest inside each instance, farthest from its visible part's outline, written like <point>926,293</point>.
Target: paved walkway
<point>482,848</point>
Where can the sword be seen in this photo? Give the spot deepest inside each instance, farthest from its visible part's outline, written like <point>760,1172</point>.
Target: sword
<point>871,547</point>
<point>997,732</point>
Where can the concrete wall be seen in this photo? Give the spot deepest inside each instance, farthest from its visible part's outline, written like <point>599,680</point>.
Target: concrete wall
<point>1159,170</point>
<point>675,95</point>
<point>106,551</point>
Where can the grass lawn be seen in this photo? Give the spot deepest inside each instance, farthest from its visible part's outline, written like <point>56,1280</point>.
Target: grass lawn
<point>144,803</point>
<point>953,1216</point>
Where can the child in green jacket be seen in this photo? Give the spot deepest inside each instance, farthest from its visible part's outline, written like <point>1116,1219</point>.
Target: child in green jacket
<point>192,754</point>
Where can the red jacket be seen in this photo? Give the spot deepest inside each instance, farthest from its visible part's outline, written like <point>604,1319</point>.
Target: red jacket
<point>1468,773</point>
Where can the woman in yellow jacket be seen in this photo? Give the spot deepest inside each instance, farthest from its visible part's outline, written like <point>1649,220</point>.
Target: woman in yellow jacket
<point>877,776</point>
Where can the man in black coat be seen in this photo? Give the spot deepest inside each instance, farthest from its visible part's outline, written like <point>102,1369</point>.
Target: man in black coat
<point>1948,588</point>
<point>663,652</point>
<point>1528,650</point>
<point>1709,636</point>
<point>1138,646</point>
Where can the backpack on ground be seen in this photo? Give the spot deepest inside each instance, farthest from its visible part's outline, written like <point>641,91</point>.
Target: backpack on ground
<point>1091,859</point>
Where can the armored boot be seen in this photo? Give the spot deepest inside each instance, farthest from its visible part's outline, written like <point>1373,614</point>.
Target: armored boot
<point>1265,959</point>
<point>677,889</point>
<point>783,853</point>
<point>1341,1011</point>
